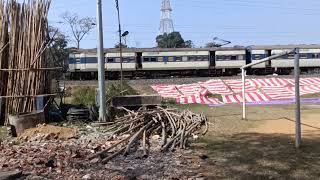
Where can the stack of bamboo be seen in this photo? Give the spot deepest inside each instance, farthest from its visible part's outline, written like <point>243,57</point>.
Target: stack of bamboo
<point>3,46</point>
<point>23,64</point>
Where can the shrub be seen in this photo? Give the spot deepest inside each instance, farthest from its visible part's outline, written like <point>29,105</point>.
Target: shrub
<point>84,96</point>
<point>87,95</point>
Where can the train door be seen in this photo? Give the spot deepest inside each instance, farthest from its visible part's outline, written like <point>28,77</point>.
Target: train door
<point>83,62</point>
<point>248,56</point>
<point>165,60</point>
<point>212,59</point>
<point>268,63</point>
<point>139,60</point>
<point>77,63</point>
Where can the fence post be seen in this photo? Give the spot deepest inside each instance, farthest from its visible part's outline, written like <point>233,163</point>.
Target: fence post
<point>297,90</point>
<point>244,113</point>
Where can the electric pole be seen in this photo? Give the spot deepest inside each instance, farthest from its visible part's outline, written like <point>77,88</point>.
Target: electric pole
<point>101,65</point>
<point>120,46</point>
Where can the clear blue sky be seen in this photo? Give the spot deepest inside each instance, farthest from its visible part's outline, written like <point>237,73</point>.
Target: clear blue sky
<point>244,22</point>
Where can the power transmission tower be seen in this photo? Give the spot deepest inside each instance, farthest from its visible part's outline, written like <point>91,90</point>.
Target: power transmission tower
<point>166,23</point>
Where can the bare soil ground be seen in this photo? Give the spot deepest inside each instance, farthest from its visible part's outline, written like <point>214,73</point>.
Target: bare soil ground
<point>261,147</point>
<point>49,132</point>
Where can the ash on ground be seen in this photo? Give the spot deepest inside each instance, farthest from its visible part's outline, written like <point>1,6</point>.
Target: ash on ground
<point>50,157</point>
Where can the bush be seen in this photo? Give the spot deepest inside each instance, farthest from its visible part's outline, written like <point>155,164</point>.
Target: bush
<point>87,95</point>
<point>115,90</point>
<point>84,96</point>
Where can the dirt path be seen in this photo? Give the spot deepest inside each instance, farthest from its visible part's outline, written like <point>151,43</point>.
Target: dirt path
<point>310,120</point>
<point>310,126</point>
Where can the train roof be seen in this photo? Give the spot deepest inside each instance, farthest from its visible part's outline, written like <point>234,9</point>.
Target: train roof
<point>115,50</point>
<point>270,47</point>
<point>254,47</point>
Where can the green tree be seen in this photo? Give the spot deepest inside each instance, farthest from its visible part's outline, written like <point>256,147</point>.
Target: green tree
<point>172,40</point>
<point>188,44</point>
<point>58,47</point>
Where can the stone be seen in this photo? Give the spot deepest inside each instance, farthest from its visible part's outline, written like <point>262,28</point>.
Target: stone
<point>87,177</point>
<point>155,137</point>
<point>144,177</point>
<point>200,178</point>
<point>10,175</point>
<point>95,160</point>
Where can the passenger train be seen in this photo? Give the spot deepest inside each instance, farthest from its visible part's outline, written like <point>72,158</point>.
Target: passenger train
<point>159,63</point>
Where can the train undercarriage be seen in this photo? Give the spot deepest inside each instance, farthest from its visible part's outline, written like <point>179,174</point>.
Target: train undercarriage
<point>140,74</point>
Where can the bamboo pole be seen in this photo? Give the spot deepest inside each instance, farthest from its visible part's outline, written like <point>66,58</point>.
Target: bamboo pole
<point>24,67</point>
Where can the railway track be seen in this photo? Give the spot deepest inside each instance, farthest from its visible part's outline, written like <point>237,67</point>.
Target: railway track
<point>174,80</point>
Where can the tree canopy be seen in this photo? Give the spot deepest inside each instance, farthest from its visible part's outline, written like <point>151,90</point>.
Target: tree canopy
<point>173,40</point>
<point>58,46</point>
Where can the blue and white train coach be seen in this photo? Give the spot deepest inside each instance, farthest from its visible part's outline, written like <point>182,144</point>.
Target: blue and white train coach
<point>172,61</point>
<point>155,62</point>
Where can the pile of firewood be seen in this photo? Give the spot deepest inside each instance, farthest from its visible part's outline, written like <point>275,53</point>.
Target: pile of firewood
<point>135,129</point>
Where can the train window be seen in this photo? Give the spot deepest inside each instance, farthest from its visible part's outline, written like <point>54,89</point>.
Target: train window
<point>160,59</point>
<point>290,56</point>
<point>315,56</point>
<point>233,57</point>
<point>303,56</point>
<point>125,59</point>
<point>184,58</point>
<point>153,59</point>
<point>199,58</point>
<point>132,59</point>
<point>256,57</point>
<point>110,60</point>
<point>241,57</point>
<point>171,59</point>
<point>117,60</point>
<point>205,58</point>
<point>78,60</point>
<point>146,59</point>
<point>221,58</point>
<point>178,59</point>
<point>192,58</point>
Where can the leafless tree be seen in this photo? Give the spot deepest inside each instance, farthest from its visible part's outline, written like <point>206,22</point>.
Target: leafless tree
<point>79,26</point>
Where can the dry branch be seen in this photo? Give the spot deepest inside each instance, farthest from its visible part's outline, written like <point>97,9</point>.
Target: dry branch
<point>174,132</point>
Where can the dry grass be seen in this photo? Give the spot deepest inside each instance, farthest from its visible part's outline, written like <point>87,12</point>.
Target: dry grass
<point>237,151</point>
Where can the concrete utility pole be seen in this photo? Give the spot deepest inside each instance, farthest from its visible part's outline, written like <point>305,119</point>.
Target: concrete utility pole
<point>101,65</point>
<point>244,112</point>
<point>297,90</point>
